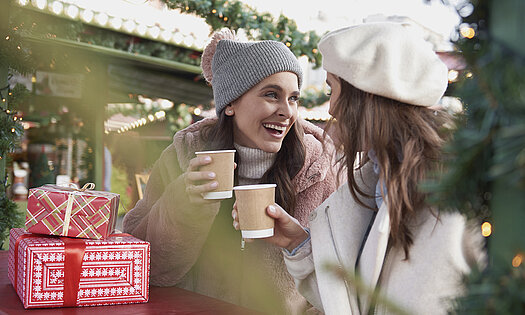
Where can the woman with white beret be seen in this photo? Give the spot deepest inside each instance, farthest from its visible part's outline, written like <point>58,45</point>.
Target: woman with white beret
<point>376,239</point>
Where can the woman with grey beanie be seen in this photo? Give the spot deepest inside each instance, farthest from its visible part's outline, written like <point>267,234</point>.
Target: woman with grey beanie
<point>376,246</point>
<point>256,89</point>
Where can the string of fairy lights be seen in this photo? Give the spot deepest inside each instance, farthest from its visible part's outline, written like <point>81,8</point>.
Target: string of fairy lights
<point>468,32</point>
<point>7,111</point>
<point>112,126</point>
<point>10,120</point>
<point>153,24</point>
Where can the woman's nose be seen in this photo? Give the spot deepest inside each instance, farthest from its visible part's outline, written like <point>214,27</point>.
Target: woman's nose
<point>285,109</point>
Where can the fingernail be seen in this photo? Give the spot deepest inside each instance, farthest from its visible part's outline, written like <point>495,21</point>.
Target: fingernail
<point>271,208</point>
<point>214,185</point>
<point>211,175</point>
<point>207,159</point>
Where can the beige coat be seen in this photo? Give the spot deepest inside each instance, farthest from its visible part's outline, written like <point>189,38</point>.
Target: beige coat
<point>196,248</point>
<point>444,250</point>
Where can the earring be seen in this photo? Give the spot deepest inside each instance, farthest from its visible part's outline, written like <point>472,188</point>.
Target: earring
<point>229,112</point>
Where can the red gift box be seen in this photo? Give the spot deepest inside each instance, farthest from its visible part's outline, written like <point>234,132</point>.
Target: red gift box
<point>51,271</point>
<point>64,211</point>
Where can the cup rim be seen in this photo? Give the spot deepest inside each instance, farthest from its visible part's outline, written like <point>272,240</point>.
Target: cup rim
<point>257,186</point>
<point>216,151</point>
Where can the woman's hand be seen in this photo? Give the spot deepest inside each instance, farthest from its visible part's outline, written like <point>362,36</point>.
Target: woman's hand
<point>288,232</point>
<point>198,182</point>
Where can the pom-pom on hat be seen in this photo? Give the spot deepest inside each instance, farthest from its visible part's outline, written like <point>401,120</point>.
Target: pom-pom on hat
<point>387,59</point>
<point>233,67</point>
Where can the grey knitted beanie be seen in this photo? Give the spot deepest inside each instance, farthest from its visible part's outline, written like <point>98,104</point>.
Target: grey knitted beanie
<point>238,66</point>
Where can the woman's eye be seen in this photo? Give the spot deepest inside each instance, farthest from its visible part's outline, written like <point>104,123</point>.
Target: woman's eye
<point>294,99</point>
<point>271,94</point>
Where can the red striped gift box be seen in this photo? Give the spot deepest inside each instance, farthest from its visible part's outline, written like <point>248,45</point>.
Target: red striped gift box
<point>50,271</point>
<point>64,211</point>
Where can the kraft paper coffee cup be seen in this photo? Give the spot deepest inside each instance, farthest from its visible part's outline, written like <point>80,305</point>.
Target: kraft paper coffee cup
<point>222,162</point>
<point>252,201</point>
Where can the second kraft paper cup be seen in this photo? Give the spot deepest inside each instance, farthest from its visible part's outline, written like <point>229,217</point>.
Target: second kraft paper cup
<point>222,164</point>
<point>252,201</point>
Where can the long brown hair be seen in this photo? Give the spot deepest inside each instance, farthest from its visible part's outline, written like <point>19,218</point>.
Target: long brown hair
<point>407,141</point>
<point>288,162</point>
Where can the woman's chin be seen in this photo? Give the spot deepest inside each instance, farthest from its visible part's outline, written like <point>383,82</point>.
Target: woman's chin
<point>271,147</point>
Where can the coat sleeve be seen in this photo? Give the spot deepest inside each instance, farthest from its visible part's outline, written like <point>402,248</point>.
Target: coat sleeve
<point>175,228</point>
<point>301,268</point>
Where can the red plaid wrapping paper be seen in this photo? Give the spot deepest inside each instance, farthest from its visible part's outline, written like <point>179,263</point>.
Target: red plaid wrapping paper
<point>92,213</point>
<point>113,271</point>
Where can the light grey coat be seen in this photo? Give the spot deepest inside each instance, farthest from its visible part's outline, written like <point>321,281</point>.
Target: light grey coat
<point>444,249</point>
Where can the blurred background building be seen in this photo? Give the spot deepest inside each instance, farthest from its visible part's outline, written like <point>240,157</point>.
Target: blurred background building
<point>112,81</point>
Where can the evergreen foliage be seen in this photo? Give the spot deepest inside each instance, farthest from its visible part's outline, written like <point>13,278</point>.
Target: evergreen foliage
<point>485,175</point>
<point>261,26</point>
<point>9,213</point>
<point>10,132</point>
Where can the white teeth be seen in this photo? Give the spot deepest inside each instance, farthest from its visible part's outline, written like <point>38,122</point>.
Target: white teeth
<point>271,126</point>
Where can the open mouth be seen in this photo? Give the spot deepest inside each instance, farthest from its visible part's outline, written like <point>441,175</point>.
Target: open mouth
<point>275,129</point>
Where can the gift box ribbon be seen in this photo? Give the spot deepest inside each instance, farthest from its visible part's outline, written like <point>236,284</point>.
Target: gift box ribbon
<point>69,206</point>
<point>74,249</point>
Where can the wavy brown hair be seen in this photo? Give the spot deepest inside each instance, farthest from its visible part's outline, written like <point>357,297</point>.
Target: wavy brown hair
<point>288,162</point>
<point>407,141</point>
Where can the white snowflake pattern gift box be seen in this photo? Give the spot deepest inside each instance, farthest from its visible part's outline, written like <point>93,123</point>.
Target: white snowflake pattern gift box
<point>51,271</point>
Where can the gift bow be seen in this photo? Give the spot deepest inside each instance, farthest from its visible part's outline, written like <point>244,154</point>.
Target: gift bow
<point>87,186</point>
<point>69,206</point>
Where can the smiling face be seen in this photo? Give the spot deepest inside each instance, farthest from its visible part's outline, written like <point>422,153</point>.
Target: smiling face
<point>264,115</point>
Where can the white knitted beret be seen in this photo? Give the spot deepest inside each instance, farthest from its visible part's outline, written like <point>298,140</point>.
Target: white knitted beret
<point>387,59</point>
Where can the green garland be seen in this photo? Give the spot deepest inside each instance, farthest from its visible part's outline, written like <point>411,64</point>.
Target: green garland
<point>236,15</point>
<point>10,132</point>
<point>11,217</point>
<point>17,58</point>
<point>489,143</point>
<point>485,175</point>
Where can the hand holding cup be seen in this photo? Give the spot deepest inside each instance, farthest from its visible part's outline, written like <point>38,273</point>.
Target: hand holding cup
<point>288,232</point>
<point>198,181</point>
<point>222,165</point>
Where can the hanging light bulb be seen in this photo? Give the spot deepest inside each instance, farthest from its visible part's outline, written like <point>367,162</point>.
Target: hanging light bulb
<point>102,18</point>
<point>166,35</point>
<point>486,229</point>
<point>517,260</point>
<point>57,7</point>
<point>453,75</point>
<point>129,25</point>
<point>72,11</point>
<point>87,15</point>
<point>142,29</point>
<point>154,31</point>
<point>115,22</point>
<point>41,4</point>
<point>178,38</point>
<point>467,32</point>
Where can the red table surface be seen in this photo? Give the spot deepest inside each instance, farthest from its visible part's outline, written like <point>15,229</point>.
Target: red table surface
<point>162,300</point>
